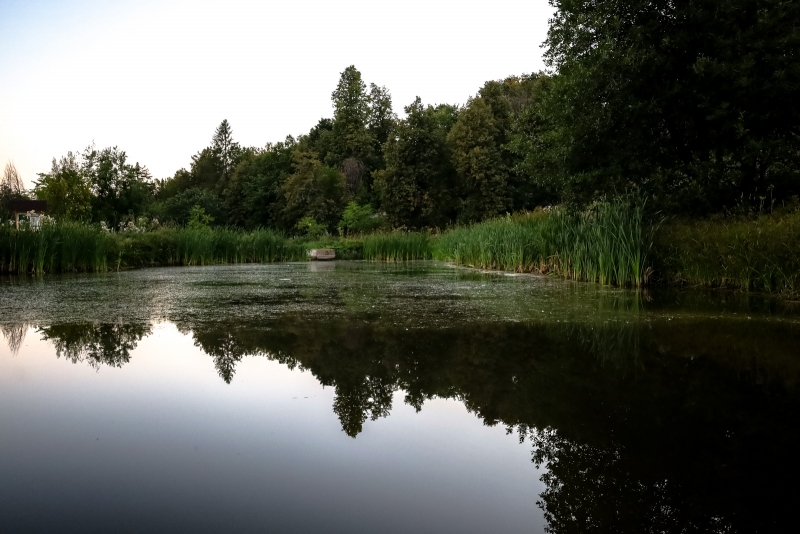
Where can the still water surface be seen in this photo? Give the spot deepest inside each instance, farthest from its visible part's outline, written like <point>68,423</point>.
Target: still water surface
<point>369,397</point>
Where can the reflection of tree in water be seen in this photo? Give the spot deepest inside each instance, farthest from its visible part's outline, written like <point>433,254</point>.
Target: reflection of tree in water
<point>14,335</point>
<point>226,349</point>
<point>650,427</point>
<point>611,342</point>
<point>371,397</point>
<point>641,428</point>
<point>96,343</point>
<point>337,357</point>
<point>588,491</point>
<point>691,487</point>
<point>364,387</point>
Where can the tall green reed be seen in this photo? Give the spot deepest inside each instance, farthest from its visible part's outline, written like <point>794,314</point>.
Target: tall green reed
<point>54,247</point>
<point>761,254</point>
<point>608,243</point>
<point>76,247</point>
<point>398,246</point>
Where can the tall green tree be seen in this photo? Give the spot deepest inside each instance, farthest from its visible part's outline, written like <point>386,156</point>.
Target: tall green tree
<point>360,120</point>
<point>477,151</point>
<point>118,188</point>
<point>351,114</point>
<point>313,190</point>
<point>66,189</point>
<point>211,168</point>
<point>382,121</point>
<point>693,102</point>
<point>254,196</point>
<point>489,145</point>
<point>529,145</point>
<point>227,152</point>
<point>418,184</point>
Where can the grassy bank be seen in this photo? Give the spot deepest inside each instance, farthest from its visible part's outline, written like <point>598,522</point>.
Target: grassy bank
<point>608,244</point>
<point>398,246</point>
<point>760,254</point>
<point>614,244</point>
<point>73,247</point>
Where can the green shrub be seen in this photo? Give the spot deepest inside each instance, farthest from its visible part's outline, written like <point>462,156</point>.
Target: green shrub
<point>309,227</point>
<point>359,219</point>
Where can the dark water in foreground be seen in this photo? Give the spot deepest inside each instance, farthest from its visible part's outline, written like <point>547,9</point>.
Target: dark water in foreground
<point>362,397</point>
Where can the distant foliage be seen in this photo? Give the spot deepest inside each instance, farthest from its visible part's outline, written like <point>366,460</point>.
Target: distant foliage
<point>309,227</point>
<point>476,148</point>
<point>67,190</point>
<point>358,219</point>
<point>253,197</point>
<point>178,209</point>
<point>314,190</point>
<point>118,187</point>
<point>418,187</point>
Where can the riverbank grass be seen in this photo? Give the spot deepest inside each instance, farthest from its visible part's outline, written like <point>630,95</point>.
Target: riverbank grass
<point>608,244</point>
<point>612,243</point>
<point>74,247</point>
<point>398,246</point>
<point>761,254</point>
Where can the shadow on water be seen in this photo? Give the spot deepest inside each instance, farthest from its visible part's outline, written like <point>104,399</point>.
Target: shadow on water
<point>666,412</point>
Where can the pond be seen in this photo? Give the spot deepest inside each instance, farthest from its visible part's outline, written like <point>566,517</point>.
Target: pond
<point>372,397</point>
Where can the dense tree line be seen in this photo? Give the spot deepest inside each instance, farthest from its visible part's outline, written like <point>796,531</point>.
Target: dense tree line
<point>693,105</point>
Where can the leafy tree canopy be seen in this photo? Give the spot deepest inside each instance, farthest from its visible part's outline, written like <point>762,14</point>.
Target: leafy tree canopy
<point>417,186</point>
<point>66,189</point>
<point>178,209</point>
<point>694,102</point>
<point>313,190</point>
<point>118,187</point>
<point>254,197</point>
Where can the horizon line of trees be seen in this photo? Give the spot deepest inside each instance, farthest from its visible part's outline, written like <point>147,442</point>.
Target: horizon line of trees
<point>693,106</point>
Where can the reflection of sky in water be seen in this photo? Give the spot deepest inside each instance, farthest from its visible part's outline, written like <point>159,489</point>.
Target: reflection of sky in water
<point>163,442</point>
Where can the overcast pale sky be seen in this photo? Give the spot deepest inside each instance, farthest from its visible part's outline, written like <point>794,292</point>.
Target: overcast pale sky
<point>156,77</point>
